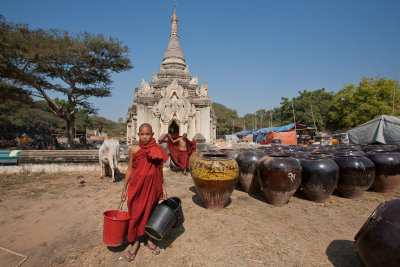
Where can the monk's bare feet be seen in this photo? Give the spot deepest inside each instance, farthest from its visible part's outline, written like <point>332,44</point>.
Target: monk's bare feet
<point>131,254</point>
<point>184,172</point>
<point>153,247</point>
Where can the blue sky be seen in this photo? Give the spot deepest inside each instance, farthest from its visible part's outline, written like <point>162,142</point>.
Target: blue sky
<point>252,53</point>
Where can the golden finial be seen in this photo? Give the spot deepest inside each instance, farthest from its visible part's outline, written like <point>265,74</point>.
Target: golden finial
<point>174,16</point>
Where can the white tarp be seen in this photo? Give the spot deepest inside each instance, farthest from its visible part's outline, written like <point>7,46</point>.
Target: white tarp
<point>231,138</point>
<point>384,130</point>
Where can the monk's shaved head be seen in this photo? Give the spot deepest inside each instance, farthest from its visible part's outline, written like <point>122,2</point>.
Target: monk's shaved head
<point>146,125</point>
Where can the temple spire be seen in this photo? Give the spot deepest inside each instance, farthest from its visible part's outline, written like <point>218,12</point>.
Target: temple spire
<point>173,54</point>
<point>174,16</point>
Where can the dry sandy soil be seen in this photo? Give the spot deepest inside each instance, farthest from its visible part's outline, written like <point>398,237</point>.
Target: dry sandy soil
<point>56,220</point>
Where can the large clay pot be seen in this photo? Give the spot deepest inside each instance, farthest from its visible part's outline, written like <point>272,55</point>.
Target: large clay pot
<point>193,157</point>
<point>247,161</point>
<point>387,169</point>
<point>197,154</point>
<point>279,176</point>
<point>215,177</point>
<point>356,173</point>
<point>378,241</point>
<point>319,178</point>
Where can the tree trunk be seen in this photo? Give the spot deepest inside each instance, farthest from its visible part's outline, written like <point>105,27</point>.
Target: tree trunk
<point>71,133</point>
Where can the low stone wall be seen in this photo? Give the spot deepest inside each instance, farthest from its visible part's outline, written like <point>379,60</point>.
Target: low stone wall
<point>61,161</point>
<point>58,167</point>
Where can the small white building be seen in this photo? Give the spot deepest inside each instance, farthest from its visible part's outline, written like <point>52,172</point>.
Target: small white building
<point>172,102</point>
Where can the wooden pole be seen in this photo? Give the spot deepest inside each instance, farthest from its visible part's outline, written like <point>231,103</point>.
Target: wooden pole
<point>294,119</point>
<point>394,91</point>
<point>270,119</point>
<point>312,114</point>
<point>255,120</point>
<point>233,125</point>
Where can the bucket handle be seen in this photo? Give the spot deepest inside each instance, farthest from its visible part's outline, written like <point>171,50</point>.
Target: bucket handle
<point>119,208</point>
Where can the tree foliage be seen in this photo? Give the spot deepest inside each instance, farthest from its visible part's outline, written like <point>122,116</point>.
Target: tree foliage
<point>308,104</point>
<point>227,120</point>
<point>77,67</point>
<point>17,118</point>
<point>373,97</point>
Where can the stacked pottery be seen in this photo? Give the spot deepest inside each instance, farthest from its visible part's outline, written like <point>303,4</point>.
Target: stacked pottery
<point>356,173</point>
<point>320,176</point>
<point>378,241</point>
<point>387,169</point>
<point>247,161</point>
<point>215,177</point>
<point>279,176</point>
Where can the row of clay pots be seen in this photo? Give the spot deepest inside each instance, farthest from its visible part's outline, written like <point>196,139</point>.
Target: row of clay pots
<point>279,173</point>
<point>351,171</point>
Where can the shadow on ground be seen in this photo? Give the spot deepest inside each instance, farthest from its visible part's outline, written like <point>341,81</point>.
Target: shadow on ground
<point>342,253</point>
<point>259,196</point>
<point>300,194</point>
<point>120,248</point>
<point>171,236</point>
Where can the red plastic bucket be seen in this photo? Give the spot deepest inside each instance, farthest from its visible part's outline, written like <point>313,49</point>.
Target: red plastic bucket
<point>115,229</point>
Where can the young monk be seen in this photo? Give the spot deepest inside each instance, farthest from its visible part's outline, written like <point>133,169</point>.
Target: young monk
<point>144,179</point>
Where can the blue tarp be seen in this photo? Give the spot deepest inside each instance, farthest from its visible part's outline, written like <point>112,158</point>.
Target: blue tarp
<point>275,129</point>
<point>258,136</point>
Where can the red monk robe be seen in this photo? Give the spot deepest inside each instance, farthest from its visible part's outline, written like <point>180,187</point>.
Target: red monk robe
<point>180,158</point>
<point>145,186</point>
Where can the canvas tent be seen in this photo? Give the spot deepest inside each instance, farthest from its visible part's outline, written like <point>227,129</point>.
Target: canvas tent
<point>384,129</point>
<point>285,133</point>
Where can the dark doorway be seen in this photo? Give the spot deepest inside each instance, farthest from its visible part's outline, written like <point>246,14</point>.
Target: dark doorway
<point>173,129</point>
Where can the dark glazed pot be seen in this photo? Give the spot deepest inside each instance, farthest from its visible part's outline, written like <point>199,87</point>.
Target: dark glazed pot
<point>356,173</point>
<point>378,241</point>
<point>215,177</point>
<point>279,176</point>
<point>387,170</point>
<point>247,162</point>
<point>319,178</point>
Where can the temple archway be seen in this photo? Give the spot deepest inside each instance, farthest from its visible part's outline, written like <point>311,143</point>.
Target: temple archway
<point>173,128</point>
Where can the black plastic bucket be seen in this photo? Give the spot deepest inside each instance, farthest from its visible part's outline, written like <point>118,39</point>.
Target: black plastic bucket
<point>176,205</point>
<point>161,221</point>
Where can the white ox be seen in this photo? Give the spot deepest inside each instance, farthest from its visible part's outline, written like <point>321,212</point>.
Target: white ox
<point>109,154</point>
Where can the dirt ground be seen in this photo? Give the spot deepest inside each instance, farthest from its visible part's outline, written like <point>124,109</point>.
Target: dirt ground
<point>56,220</point>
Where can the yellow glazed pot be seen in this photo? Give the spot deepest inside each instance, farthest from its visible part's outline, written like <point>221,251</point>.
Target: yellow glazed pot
<point>215,177</point>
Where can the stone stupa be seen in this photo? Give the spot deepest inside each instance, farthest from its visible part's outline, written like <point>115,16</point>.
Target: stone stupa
<point>173,102</point>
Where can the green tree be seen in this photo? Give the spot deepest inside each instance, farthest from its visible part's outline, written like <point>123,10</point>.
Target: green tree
<point>76,67</point>
<point>228,121</point>
<point>317,103</point>
<point>110,127</point>
<point>17,118</point>
<point>373,97</point>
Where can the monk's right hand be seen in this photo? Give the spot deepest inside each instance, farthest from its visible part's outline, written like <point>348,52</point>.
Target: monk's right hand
<point>123,195</point>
